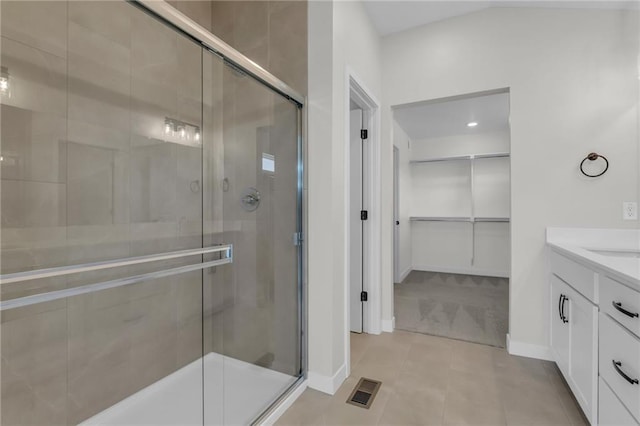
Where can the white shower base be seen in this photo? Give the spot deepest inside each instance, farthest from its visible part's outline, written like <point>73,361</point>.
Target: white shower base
<point>235,392</point>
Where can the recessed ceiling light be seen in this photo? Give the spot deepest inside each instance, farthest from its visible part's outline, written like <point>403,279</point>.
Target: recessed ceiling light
<point>472,124</point>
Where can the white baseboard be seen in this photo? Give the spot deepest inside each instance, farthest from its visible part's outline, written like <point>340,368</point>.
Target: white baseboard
<point>404,274</point>
<point>529,350</point>
<point>389,325</point>
<point>327,384</point>
<point>273,417</point>
<point>466,271</point>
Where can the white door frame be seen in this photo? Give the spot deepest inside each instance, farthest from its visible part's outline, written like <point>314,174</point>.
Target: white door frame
<point>372,324</point>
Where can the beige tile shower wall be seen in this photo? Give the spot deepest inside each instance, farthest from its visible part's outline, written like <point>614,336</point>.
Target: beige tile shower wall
<point>86,176</point>
<point>254,302</point>
<point>246,110</point>
<point>274,35</point>
<point>80,119</point>
<point>199,11</point>
<point>33,204</point>
<point>271,33</point>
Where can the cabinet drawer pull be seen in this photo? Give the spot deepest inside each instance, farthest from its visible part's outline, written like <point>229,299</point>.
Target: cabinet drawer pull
<point>619,307</point>
<point>617,365</point>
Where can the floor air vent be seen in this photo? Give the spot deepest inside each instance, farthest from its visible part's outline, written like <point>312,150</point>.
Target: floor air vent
<point>364,393</point>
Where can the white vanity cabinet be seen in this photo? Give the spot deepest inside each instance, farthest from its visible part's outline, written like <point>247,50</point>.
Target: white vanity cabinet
<point>595,339</point>
<point>574,343</point>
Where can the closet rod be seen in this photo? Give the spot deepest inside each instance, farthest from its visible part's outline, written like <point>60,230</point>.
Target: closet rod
<point>492,219</point>
<point>462,157</point>
<point>439,219</point>
<point>458,219</point>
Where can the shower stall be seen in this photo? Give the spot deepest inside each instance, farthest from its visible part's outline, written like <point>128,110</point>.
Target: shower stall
<point>151,221</point>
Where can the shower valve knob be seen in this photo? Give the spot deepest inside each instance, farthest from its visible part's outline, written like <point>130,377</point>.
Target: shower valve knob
<point>250,199</point>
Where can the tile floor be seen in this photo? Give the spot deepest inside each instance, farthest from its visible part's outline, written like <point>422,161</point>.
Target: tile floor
<point>430,380</point>
<point>465,307</point>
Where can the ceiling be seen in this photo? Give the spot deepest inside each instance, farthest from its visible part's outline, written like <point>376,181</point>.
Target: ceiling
<point>426,120</point>
<point>391,16</point>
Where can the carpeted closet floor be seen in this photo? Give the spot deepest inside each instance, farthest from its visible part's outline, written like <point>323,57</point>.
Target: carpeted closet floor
<point>464,307</point>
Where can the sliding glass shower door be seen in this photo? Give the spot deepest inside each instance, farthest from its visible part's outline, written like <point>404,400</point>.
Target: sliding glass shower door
<point>251,171</point>
<point>149,208</point>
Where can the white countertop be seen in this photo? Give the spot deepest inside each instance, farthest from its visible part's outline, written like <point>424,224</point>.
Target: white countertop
<point>579,243</point>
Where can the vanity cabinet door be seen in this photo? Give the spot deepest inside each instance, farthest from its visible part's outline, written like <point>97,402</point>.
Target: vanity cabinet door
<point>559,324</point>
<point>583,354</point>
<point>574,343</point>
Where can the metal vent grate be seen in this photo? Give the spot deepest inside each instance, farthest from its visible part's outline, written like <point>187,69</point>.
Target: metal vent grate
<point>364,393</point>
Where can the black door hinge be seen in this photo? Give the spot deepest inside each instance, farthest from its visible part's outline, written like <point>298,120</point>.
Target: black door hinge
<point>363,296</point>
<point>364,215</point>
<point>364,134</point>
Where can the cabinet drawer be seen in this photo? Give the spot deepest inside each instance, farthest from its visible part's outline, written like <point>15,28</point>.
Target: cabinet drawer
<point>611,412</point>
<point>626,300</point>
<point>620,346</point>
<point>577,276</point>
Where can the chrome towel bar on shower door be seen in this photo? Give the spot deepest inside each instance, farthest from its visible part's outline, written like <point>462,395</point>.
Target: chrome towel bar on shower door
<point>226,250</point>
<point>95,266</point>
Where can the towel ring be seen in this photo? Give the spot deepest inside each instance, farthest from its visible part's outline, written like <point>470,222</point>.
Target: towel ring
<point>593,157</point>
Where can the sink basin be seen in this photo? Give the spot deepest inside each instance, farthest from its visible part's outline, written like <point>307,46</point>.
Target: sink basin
<point>617,253</point>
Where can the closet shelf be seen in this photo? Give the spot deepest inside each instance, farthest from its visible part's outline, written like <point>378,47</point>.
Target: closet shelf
<point>439,219</point>
<point>492,219</point>
<point>458,219</point>
<point>461,157</point>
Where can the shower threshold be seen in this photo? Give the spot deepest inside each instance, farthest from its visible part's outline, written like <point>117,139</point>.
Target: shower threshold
<point>235,393</point>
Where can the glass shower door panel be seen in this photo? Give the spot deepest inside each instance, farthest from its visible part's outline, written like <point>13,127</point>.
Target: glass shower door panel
<point>101,160</point>
<point>261,336</point>
<point>253,170</point>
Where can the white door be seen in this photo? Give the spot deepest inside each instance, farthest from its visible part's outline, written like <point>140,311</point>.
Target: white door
<point>355,266</point>
<point>396,214</point>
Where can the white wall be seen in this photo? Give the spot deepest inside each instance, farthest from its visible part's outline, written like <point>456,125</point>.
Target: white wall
<point>573,80</point>
<point>402,141</point>
<point>455,145</point>
<point>341,37</point>
<point>441,189</point>
<point>319,195</point>
<point>356,48</point>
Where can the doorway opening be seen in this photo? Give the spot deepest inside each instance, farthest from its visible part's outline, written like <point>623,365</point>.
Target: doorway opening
<point>363,305</point>
<point>452,217</point>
